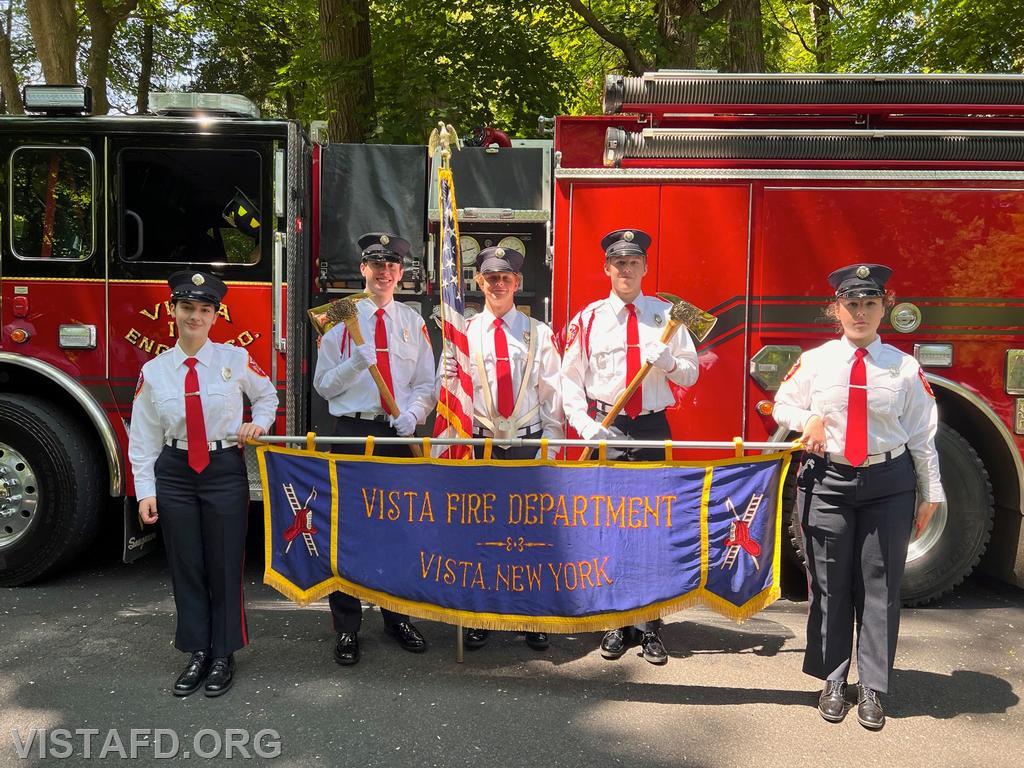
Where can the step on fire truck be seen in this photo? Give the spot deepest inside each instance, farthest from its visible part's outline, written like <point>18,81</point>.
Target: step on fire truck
<point>753,186</point>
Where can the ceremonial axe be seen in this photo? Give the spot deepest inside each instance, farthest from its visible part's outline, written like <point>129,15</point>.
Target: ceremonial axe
<point>344,311</point>
<point>683,313</point>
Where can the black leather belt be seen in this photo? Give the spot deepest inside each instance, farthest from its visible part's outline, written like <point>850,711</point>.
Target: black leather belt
<point>367,416</point>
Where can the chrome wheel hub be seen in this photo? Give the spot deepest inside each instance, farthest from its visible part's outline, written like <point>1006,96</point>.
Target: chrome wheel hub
<point>930,536</point>
<point>19,495</point>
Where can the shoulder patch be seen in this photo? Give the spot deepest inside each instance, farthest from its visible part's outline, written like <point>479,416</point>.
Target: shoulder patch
<point>574,332</point>
<point>138,386</point>
<point>254,367</point>
<point>793,370</point>
<point>927,386</point>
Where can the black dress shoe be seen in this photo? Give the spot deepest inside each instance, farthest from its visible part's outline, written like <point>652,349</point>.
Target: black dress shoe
<point>615,643</point>
<point>653,649</point>
<point>194,674</point>
<point>408,637</point>
<point>869,709</point>
<point>832,702</point>
<point>537,640</point>
<point>346,649</point>
<point>222,674</point>
<point>475,638</point>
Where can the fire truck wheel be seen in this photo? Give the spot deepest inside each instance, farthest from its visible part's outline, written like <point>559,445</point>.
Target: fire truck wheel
<point>50,489</point>
<point>950,547</point>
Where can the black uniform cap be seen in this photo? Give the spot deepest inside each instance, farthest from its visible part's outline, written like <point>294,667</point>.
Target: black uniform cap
<point>382,246</point>
<point>625,242</point>
<point>496,259</point>
<point>859,281</point>
<point>197,286</point>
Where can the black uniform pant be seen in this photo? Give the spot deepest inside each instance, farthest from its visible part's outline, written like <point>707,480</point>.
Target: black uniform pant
<point>857,524</point>
<point>347,610</point>
<point>650,426</point>
<point>204,517</point>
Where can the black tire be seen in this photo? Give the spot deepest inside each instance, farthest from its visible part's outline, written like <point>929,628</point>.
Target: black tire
<point>51,514</point>
<point>954,541</point>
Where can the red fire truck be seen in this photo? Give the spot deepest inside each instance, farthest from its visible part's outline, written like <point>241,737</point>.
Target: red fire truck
<point>757,186</point>
<point>754,187</point>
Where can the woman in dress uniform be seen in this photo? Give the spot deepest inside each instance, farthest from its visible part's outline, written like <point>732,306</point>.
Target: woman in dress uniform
<point>185,449</point>
<point>867,419</point>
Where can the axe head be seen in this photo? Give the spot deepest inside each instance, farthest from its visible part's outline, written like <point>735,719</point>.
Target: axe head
<point>326,316</point>
<point>696,320</point>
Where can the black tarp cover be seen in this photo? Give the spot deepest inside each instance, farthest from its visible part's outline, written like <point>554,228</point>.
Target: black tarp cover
<point>369,188</point>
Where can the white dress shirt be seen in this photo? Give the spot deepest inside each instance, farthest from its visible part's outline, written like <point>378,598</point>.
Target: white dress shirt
<point>594,361</point>
<point>543,386</point>
<point>348,390</point>
<point>901,407</point>
<point>225,372</point>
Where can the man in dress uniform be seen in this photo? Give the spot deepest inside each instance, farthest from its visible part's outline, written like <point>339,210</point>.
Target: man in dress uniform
<point>397,343</point>
<point>606,345</point>
<point>515,369</point>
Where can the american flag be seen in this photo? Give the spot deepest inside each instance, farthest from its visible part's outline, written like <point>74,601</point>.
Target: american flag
<point>455,401</point>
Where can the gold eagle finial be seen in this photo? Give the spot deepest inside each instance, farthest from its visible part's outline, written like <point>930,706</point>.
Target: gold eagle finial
<point>443,137</point>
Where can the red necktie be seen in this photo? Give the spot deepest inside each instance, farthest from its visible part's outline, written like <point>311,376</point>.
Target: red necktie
<point>635,403</point>
<point>505,400</point>
<point>195,423</point>
<point>857,412</point>
<point>380,341</point>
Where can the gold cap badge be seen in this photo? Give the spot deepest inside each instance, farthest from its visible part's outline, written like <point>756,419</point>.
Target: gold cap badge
<point>384,239</point>
<point>863,271</point>
<point>198,279</point>
<point>628,236</point>
<point>499,252</point>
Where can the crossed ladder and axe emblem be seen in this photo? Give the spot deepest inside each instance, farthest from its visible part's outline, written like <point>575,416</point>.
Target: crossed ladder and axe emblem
<point>302,525</point>
<point>739,533</point>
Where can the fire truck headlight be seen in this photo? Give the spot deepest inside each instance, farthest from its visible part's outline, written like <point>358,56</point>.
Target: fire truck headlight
<point>771,363</point>
<point>934,355</point>
<point>1015,373</point>
<point>77,337</point>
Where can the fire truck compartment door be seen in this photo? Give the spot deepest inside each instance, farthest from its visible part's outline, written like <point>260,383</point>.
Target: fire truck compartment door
<point>369,188</point>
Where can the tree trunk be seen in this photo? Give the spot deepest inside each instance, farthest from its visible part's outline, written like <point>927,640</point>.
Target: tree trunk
<point>746,37</point>
<point>145,70</point>
<point>822,35</point>
<point>9,91</point>
<point>54,27</point>
<point>681,25</point>
<point>103,24</point>
<point>345,54</point>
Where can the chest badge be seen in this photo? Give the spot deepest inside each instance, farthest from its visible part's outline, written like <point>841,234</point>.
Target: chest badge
<point>659,320</point>
<point>894,371</point>
<point>526,337</point>
<point>225,373</point>
<point>405,335</point>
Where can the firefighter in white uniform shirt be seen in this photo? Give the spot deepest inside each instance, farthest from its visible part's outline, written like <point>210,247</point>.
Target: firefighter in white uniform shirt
<point>516,378</point>
<point>868,419</point>
<point>606,344</point>
<point>395,340</point>
<point>185,449</point>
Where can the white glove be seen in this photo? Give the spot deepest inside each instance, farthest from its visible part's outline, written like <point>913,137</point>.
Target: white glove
<point>404,423</point>
<point>597,431</point>
<point>364,356</point>
<point>656,353</point>
<point>450,367</point>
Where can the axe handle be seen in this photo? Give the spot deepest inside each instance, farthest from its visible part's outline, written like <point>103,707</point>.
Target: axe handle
<point>638,379</point>
<point>389,400</point>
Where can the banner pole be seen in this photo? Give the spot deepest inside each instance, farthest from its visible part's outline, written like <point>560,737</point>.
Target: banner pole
<point>458,643</point>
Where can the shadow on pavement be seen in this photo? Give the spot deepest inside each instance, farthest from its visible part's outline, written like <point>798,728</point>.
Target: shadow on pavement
<point>944,697</point>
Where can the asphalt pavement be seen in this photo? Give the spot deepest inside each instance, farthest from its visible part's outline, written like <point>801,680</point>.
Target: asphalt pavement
<point>86,665</point>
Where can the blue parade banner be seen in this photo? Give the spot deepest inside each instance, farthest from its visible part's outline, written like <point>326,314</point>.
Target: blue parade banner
<point>525,545</point>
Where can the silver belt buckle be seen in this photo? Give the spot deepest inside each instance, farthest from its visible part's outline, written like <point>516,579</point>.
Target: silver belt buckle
<point>504,429</point>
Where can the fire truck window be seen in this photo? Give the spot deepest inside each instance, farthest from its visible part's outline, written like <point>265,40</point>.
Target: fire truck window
<point>190,206</point>
<point>51,203</point>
